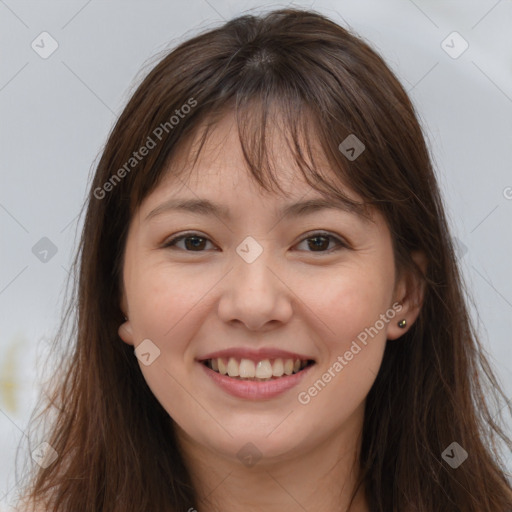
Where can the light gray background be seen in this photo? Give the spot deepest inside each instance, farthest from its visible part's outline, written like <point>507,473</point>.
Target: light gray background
<point>56,114</point>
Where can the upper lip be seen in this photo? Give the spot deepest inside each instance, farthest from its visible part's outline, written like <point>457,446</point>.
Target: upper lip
<point>254,355</point>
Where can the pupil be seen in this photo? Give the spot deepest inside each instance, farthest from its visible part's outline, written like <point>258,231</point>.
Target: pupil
<point>316,245</point>
<point>195,245</point>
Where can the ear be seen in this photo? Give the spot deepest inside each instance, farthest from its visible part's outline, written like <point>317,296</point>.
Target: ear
<point>409,292</point>
<point>126,333</point>
<point>125,330</point>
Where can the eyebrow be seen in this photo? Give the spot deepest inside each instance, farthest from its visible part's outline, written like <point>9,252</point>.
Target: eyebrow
<point>299,209</point>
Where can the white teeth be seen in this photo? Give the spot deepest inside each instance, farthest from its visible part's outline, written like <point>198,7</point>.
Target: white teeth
<point>233,369</point>
<point>278,368</point>
<point>263,369</point>
<point>222,366</point>
<point>247,369</point>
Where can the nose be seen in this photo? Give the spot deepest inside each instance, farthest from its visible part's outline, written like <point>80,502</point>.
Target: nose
<point>255,295</point>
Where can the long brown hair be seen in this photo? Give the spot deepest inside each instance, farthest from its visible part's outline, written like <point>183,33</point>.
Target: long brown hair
<point>115,442</point>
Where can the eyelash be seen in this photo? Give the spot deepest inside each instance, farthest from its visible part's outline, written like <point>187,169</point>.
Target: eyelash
<point>340,243</point>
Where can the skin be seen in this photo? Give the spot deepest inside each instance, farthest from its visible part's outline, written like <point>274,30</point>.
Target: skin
<point>296,298</point>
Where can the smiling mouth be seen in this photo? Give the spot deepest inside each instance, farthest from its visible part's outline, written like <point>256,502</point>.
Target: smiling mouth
<point>264,370</point>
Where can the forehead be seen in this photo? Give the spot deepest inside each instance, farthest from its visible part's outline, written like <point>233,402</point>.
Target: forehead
<point>222,164</point>
<point>220,184</point>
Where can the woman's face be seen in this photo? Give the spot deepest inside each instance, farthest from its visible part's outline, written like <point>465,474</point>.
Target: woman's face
<point>262,289</point>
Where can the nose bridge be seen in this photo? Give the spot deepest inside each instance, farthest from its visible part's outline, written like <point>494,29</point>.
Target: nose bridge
<point>254,279</point>
<point>253,294</point>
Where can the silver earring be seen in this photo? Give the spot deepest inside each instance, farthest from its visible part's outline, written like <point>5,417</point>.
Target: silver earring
<point>402,323</point>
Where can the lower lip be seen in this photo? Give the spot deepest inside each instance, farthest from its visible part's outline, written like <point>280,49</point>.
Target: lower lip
<point>254,390</point>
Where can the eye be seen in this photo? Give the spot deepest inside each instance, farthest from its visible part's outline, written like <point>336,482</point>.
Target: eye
<point>194,242</point>
<point>317,242</point>
<point>320,241</point>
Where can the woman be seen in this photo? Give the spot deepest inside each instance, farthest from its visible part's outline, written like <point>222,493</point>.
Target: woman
<point>270,315</point>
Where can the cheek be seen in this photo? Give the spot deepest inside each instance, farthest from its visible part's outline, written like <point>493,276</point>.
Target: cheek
<point>354,340</point>
<point>163,298</point>
<point>165,306</point>
<point>348,301</point>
